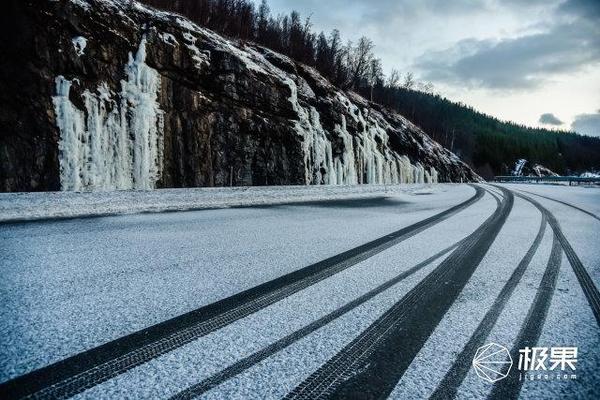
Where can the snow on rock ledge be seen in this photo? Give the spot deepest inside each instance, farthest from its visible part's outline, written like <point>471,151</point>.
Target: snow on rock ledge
<point>79,44</point>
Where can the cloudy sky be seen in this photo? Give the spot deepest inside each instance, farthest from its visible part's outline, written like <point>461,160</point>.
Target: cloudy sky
<point>535,62</point>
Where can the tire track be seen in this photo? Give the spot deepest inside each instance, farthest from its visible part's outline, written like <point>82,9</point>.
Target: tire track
<point>585,281</point>
<point>250,361</point>
<point>448,386</point>
<point>529,334</point>
<point>510,387</point>
<point>561,202</point>
<point>90,368</point>
<point>370,365</point>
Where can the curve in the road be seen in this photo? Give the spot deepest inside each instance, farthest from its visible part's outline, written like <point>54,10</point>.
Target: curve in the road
<point>510,387</point>
<point>448,386</point>
<point>563,203</point>
<point>374,361</point>
<point>90,368</point>
<point>583,277</point>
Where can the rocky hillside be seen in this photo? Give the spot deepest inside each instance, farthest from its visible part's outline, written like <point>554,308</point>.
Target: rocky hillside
<point>524,168</point>
<point>108,94</point>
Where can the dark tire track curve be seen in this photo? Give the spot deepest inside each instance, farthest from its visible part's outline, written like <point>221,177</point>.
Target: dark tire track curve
<point>509,388</point>
<point>583,277</point>
<point>250,361</point>
<point>563,203</point>
<point>449,385</point>
<point>85,370</point>
<point>371,364</point>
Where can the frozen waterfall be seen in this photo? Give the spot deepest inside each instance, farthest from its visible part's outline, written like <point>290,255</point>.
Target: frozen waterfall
<point>365,158</point>
<point>117,143</point>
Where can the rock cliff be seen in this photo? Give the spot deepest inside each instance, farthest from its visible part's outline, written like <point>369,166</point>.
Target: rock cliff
<point>108,94</point>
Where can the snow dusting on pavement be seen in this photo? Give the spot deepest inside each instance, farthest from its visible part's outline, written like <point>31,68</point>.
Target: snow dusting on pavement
<point>72,285</point>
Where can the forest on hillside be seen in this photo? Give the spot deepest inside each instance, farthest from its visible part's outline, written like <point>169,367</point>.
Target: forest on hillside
<point>492,146</point>
<point>489,145</point>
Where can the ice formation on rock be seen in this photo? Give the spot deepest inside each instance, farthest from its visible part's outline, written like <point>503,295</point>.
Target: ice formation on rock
<point>540,170</point>
<point>79,43</point>
<point>118,142</point>
<point>71,123</point>
<point>366,159</point>
<point>519,164</point>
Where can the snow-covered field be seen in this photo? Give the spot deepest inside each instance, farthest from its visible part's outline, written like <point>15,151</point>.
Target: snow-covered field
<point>71,285</point>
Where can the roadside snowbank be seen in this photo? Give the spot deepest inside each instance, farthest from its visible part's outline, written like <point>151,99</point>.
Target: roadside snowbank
<point>15,207</point>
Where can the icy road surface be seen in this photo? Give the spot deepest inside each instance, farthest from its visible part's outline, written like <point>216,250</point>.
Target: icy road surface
<point>363,292</point>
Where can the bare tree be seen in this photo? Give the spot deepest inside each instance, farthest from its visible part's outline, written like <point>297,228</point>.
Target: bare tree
<point>375,74</point>
<point>428,88</point>
<point>409,81</point>
<point>425,87</point>
<point>263,21</point>
<point>393,80</point>
<point>360,60</point>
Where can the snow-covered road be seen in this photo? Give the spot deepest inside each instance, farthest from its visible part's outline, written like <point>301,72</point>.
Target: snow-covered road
<point>371,292</point>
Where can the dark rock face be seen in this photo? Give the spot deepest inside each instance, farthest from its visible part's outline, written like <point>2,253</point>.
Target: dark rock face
<point>92,88</point>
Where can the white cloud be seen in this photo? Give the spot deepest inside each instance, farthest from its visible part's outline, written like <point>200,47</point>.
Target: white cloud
<point>516,63</point>
<point>515,59</point>
<point>587,124</point>
<point>550,119</point>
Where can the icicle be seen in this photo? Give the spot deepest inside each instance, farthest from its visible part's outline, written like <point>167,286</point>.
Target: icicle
<point>318,156</point>
<point>71,123</point>
<point>346,165</point>
<point>139,94</point>
<point>120,143</point>
<point>365,157</point>
<point>419,173</point>
<point>431,175</point>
